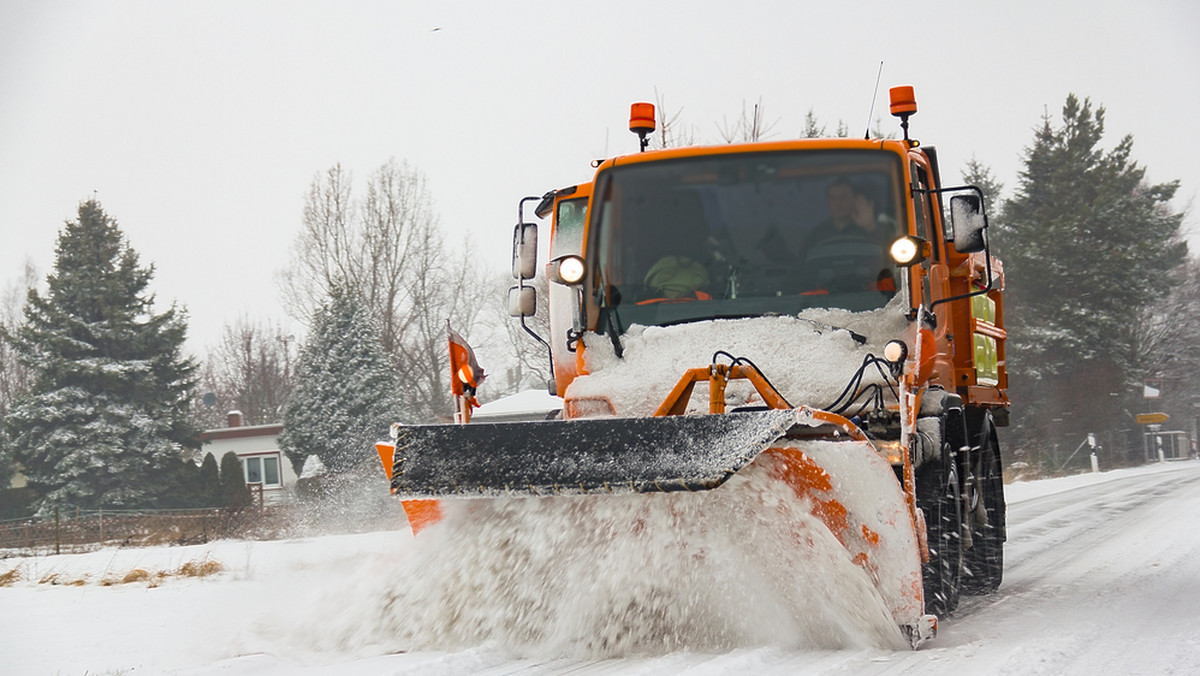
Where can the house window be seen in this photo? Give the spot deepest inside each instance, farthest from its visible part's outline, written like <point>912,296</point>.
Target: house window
<point>271,471</point>
<point>262,469</point>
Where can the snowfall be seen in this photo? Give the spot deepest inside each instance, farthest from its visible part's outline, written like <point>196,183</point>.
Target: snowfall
<point>1102,576</point>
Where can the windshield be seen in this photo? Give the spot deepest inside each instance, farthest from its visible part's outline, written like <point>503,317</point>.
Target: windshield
<point>746,235</point>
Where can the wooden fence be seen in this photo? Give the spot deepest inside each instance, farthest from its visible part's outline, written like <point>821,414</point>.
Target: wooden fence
<point>79,531</point>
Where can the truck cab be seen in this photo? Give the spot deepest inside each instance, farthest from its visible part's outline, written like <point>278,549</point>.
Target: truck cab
<point>709,233</point>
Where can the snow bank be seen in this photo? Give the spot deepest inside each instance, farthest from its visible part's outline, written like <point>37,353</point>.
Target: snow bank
<point>1101,578</point>
<point>1020,491</point>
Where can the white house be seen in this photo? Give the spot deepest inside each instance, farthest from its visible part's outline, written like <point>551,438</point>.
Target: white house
<point>257,447</point>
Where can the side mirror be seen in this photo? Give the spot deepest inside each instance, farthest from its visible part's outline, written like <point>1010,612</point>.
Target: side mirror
<point>522,301</point>
<point>524,257</point>
<point>969,223</point>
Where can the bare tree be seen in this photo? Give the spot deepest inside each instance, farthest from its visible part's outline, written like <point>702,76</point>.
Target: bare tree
<point>671,131</point>
<point>250,371</point>
<point>516,360</point>
<point>440,287</point>
<point>1164,336</point>
<point>388,249</point>
<point>322,251</point>
<point>748,128</point>
<point>398,229</point>
<point>15,377</point>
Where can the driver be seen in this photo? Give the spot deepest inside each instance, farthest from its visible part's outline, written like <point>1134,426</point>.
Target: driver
<point>852,213</point>
<point>858,237</point>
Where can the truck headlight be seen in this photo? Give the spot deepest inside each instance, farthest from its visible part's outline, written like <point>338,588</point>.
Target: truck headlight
<point>567,270</point>
<point>909,250</point>
<point>895,352</point>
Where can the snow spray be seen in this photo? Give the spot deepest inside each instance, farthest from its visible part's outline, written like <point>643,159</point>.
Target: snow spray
<point>745,565</point>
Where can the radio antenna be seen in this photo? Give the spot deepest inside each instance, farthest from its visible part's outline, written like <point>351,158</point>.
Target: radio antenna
<point>873,97</point>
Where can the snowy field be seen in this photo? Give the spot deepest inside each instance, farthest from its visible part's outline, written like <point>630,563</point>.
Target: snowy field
<point>1102,576</point>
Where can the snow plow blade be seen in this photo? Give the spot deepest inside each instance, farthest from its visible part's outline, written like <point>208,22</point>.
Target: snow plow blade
<point>608,455</point>
<point>849,488</point>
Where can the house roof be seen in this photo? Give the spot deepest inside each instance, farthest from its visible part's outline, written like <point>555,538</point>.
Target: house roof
<point>244,432</point>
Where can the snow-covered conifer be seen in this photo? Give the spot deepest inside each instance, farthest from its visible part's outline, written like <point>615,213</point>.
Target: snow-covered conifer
<point>105,420</point>
<point>346,391</point>
<point>1088,245</point>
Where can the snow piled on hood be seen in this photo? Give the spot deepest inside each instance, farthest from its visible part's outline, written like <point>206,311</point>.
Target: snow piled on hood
<point>806,357</point>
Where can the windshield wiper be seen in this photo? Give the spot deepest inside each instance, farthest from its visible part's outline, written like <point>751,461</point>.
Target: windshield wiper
<point>858,337</point>
<point>612,319</point>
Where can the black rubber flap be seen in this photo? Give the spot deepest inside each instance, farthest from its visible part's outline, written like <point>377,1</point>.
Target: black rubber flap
<point>617,455</point>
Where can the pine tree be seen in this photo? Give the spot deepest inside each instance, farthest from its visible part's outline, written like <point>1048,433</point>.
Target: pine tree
<point>7,468</point>
<point>105,420</point>
<point>981,176</point>
<point>210,482</point>
<point>187,490</point>
<point>346,393</point>
<point>234,491</point>
<point>14,376</point>
<point>812,127</point>
<point>1088,245</point>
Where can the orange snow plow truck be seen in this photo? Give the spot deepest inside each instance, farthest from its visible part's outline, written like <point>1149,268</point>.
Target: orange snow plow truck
<point>840,305</point>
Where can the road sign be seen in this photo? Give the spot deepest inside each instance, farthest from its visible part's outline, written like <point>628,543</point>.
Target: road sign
<point>1152,418</point>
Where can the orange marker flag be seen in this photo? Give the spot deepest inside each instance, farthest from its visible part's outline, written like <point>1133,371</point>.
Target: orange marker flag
<point>465,373</point>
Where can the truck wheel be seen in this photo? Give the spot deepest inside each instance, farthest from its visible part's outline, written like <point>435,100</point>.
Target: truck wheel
<point>984,561</point>
<point>938,496</point>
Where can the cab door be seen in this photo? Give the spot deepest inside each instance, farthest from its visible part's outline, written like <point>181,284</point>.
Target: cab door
<point>566,237</point>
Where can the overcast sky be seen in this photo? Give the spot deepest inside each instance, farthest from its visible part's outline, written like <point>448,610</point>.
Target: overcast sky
<point>200,125</point>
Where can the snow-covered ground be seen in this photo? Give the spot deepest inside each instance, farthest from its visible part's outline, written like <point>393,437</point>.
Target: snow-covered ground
<point>1102,576</point>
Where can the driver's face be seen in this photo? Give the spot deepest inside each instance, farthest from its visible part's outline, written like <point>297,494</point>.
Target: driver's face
<point>841,203</point>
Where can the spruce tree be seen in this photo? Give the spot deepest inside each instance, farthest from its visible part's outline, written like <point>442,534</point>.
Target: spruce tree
<point>104,423</point>
<point>1088,245</point>
<point>346,393</point>
<point>980,175</point>
<point>7,469</point>
<point>187,491</point>
<point>234,491</point>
